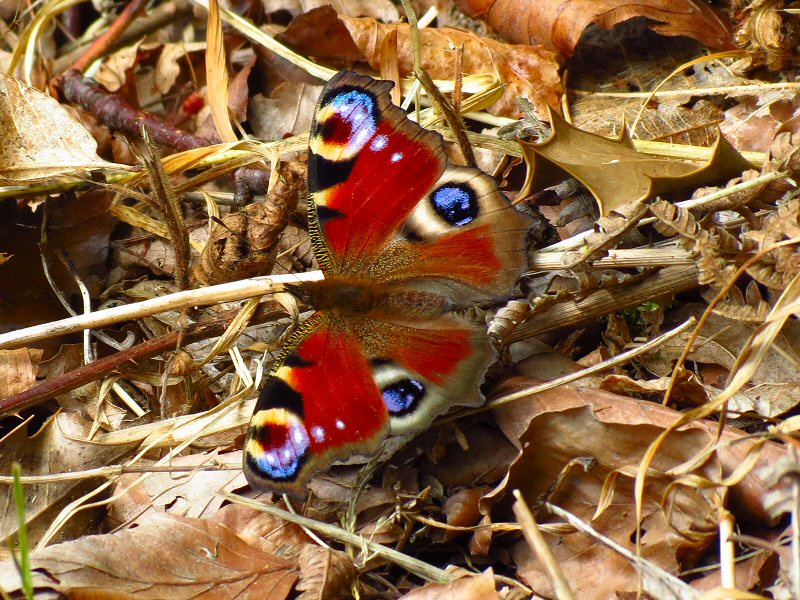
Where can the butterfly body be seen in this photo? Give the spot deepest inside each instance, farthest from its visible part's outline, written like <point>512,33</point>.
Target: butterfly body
<point>404,240</point>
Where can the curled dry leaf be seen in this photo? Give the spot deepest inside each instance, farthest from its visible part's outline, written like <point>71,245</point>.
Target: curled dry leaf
<point>461,509</point>
<point>527,71</point>
<point>559,24</point>
<point>244,244</point>
<point>615,431</point>
<point>171,557</point>
<point>613,170</point>
<point>768,32</point>
<point>40,140</point>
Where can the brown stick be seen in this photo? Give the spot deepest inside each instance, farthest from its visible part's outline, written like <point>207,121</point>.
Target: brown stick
<point>101,45</point>
<point>169,12</point>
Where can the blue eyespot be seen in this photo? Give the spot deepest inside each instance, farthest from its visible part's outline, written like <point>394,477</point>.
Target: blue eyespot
<point>403,396</point>
<point>456,204</point>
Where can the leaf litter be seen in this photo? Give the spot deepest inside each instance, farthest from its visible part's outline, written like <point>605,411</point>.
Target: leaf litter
<point>671,467</point>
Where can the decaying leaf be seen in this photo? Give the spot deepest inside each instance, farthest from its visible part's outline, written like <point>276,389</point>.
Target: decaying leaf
<point>612,432</point>
<point>171,557</point>
<point>325,573</point>
<point>558,24</point>
<point>613,170</point>
<point>244,244</point>
<point>17,370</point>
<point>189,494</point>
<point>473,587</point>
<point>527,71</point>
<point>40,138</point>
<point>60,446</point>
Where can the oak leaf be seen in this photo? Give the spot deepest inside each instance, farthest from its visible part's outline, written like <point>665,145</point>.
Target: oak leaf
<point>615,172</point>
<point>525,70</point>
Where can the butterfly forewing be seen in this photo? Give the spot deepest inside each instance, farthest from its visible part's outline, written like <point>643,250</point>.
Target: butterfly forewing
<point>368,167</point>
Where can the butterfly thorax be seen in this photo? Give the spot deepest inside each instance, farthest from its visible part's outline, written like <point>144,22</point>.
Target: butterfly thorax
<point>343,294</point>
<point>351,296</point>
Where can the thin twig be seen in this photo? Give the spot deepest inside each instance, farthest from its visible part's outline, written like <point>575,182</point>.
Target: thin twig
<point>606,364</point>
<point>410,564</point>
<point>537,543</point>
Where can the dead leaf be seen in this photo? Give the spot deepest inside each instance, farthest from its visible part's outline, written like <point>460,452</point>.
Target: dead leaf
<point>745,497</point>
<point>475,587</point>
<point>552,441</point>
<point>287,111</point>
<point>17,370</point>
<point>527,71</point>
<point>40,138</point>
<point>325,574</point>
<point>462,510</point>
<point>271,534</point>
<point>189,494</point>
<point>774,387</point>
<point>613,170</point>
<point>559,24</point>
<point>382,10</point>
<point>172,557</point>
<point>60,446</point>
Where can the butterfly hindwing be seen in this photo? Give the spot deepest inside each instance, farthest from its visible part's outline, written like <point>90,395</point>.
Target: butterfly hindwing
<point>321,403</point>
<point>338,391</point>
<point>424,368</point>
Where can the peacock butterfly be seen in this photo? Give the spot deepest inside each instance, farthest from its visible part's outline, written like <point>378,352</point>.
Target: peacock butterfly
<point>404,239</point>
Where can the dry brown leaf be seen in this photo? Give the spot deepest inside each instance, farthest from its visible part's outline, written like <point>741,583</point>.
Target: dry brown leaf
<point>476,587</point>
<point>117,69</point>
<point>775,385</point>
<point>58,447</point>
<point>271,534</point>
<point>325,574</point>
<point>527,71</point>
<point>568,423</point>
<point>745,497</point>
<point>559,24</point>
<point>461,509</point>
<point>382,10</point>
<point>17,370</point>
<point>189,494</point>
<point>287,111</point>
<point>244,244</point>
<point>172,557</point>
<point>40,140</point>
<point>613,170</point>
<point>686,390</point>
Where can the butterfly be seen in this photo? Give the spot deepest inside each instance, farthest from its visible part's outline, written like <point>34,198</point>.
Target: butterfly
<point>404,239</point>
